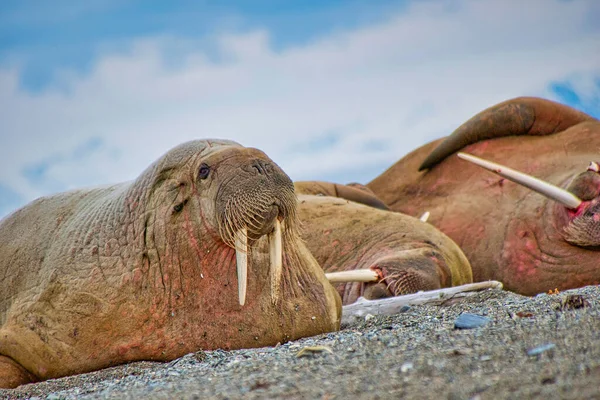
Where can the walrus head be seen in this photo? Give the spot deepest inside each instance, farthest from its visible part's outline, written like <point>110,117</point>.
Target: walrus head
<point>577,210</point>
<point>236,193</point>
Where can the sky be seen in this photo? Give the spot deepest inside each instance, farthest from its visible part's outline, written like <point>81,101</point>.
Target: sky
<point>93,92</point>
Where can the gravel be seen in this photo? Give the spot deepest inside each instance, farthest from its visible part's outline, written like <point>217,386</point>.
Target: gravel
<point>544,346</point>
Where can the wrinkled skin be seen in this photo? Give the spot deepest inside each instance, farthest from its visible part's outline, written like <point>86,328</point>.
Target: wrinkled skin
<point>142,271</point>
<point>409,255</point>
<point>508,232</point>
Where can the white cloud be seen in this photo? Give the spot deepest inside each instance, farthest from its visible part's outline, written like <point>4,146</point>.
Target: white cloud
<point>384,89</point>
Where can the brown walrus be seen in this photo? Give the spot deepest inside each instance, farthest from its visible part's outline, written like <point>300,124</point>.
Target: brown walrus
<point>508,232</point>
<point>407,254</point>
<point>146,270</point>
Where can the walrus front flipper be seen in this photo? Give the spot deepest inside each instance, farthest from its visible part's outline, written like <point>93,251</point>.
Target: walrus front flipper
<point>359,196</point>
<point>354,192</point>
<point>12,374</point>
<point>519,116</point>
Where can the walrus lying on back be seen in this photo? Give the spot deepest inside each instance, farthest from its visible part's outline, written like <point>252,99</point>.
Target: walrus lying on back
<point>531,243</point>
<point>156,268</point>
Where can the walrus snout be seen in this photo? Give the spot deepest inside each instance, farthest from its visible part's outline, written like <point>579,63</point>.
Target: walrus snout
<point>583,227</point>
<point>258,195</point>
<point>268,217</point>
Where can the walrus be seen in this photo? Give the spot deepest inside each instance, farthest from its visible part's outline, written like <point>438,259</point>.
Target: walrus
<point>346,230</point>
<point>155,268</point>
<point>510,233</point>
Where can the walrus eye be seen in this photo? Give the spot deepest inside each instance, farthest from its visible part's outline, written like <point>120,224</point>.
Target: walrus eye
<point>204,171</point>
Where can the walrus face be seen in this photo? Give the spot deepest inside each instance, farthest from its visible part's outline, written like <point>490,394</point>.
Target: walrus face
<point>253,203</point>
<point>239,195</point>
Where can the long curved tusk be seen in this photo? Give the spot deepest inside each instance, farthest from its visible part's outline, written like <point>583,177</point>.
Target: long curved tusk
<point>544,188</point>
<point>357,275</point>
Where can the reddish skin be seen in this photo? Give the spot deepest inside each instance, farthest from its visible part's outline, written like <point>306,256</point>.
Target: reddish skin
<point>100,277</point>
<point>508,232</point>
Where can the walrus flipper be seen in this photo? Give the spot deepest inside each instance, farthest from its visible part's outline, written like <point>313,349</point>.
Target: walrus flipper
<point>519,116</point>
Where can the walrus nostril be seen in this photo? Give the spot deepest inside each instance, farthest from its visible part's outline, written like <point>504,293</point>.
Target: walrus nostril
<point>261,167</point>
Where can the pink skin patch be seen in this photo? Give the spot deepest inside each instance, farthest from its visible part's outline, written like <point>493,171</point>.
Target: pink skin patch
<point>574,213</point>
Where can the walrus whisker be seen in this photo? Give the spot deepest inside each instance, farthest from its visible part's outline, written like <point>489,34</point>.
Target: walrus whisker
<point>357,275</point>
<point>390,281</point>
<point>544,188</point>
<point>241,256</point>
<point>276,258</point>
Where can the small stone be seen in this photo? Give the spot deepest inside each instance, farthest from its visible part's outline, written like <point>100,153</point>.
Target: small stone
<point>470,321</point>
<point>485,358</point>
<point>369,317</point>
<point>407,366</point>
<point>540,349</point>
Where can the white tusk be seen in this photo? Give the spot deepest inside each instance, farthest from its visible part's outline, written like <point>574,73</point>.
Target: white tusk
<point>593,166</point>
<point>276,258</point>
<point>357,275</point>
<point>544,188</point>
<point>241,257</point>
<point>425,216</point>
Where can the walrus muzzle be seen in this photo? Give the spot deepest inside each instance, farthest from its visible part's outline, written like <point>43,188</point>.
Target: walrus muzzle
<point>259,201</point>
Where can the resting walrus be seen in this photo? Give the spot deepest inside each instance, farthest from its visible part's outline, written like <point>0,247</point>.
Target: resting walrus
<point>407,254</point>
<point>508,232</point>
<point>146,270</point>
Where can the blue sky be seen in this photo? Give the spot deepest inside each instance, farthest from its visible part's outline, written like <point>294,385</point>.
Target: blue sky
<point>92,92</point>
<point>46,35</point>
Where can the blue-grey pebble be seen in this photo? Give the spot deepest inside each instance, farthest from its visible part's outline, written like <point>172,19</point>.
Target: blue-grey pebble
<point>540,349</point>
<point>470,321</point>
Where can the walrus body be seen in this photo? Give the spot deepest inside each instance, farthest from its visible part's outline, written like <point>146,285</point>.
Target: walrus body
<point>508,232</point>
<point>146,270</point>
<point>409,255</point>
